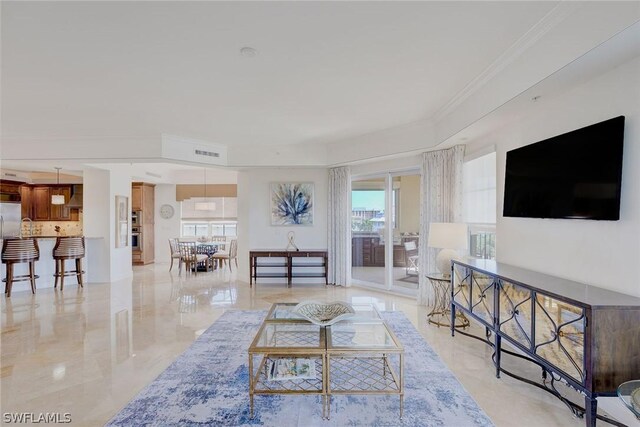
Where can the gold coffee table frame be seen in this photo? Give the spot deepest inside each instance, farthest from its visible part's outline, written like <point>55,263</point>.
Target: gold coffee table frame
<point>363,349</point>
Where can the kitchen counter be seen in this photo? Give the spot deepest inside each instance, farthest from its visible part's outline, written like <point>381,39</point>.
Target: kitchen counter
<point>45,267</point>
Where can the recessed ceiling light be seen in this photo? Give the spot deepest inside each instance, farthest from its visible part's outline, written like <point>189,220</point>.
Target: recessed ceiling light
<point>248,52</point>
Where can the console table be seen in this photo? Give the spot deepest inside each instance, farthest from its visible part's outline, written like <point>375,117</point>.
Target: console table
<point>279,263</point>
<point>586,336</point>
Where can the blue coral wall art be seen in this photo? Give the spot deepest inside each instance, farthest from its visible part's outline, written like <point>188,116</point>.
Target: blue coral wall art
<point>291,203</point>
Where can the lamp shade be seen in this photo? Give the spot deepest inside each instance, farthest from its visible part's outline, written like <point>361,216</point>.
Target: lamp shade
<point>57,199</point>
<point>448,235</point>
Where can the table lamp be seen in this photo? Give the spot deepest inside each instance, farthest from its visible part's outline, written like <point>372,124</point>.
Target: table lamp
<point>449,237</point>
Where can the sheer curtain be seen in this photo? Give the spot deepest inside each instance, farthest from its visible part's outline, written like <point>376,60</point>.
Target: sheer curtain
<point>339,226</point>
<point>441,201</point>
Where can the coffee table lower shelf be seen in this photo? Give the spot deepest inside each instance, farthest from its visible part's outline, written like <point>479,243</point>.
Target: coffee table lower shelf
<point>336,374</point>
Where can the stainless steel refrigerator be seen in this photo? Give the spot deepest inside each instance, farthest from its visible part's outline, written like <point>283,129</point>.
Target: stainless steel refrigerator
<point>9,219</point>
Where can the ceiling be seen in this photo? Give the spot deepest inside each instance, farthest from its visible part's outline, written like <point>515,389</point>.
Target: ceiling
<point>324,70</point>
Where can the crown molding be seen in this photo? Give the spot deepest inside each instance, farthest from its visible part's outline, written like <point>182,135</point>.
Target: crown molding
<point>552,19</point>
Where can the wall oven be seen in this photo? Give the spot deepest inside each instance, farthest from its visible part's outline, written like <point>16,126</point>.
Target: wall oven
<point>136,238</point>
<point>136,217</point>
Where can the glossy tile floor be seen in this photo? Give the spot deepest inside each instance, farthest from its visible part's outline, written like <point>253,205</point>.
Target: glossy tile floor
<point>88,351</point>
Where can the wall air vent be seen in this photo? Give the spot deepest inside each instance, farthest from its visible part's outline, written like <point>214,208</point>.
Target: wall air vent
<point>197,151</point>
<point>207,153</point>
<point>12,175</point>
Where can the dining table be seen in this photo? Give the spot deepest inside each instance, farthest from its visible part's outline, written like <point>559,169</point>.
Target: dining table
<point>209,249</point>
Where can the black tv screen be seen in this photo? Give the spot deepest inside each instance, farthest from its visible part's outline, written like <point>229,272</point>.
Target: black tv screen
<point>574,175</point>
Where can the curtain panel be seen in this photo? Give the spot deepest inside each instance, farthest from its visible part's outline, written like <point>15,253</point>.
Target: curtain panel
<point>339,226</point>
<point>440,201</point>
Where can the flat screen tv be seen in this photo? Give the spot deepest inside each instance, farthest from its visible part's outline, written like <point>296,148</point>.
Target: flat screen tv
<point>575,175</point>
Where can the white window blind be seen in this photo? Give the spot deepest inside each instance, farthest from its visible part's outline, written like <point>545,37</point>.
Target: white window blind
<point>479,205</point>
<point>479,190</point>
<point>225,208</point>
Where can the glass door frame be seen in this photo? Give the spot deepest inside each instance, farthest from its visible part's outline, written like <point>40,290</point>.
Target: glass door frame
<point>388,225</point>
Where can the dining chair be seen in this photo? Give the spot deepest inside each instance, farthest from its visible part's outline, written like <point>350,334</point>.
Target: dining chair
<point>191,258</point>
<point>231,254</point>
<point>175,253</point>
<point>221,241</point>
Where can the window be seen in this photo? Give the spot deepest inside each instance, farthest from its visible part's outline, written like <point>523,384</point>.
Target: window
<point>479,202</point>
<point>219,221</point>
<point>209,229</point>
<point>195,229</point>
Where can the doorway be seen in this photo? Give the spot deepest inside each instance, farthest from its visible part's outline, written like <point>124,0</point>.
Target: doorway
<point>385,223</point>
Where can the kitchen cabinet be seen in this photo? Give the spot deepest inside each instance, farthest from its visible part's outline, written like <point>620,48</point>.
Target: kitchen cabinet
<point>27,201</point>
<point>148,204</point>
<point>60,212</point>
<point>9,190</point>
<point>143,201</point>
<point>136,197</point>
<point>41,204</point>
<point>36,203</point>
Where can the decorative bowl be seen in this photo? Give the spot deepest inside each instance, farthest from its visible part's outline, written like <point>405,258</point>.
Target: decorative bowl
<point>324,313</point>
<point>635,398</point>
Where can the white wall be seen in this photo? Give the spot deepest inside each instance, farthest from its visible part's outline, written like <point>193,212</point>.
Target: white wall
<point>96,214</point>
<point>412,162</point>
<point>254,221</point>
<point>106,262</point>
<point>601,253</point>
<point>165,229</point>
<point>120,185</point>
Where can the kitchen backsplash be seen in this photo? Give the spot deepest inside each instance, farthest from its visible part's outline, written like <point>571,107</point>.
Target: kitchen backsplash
<point>48,228</point>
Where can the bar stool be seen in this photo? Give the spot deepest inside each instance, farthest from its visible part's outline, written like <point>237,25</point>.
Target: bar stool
<point>68,248</point>
<point>15,251</point>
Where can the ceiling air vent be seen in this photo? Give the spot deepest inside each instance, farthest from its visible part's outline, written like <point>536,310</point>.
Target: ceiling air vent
<point>207,153</point>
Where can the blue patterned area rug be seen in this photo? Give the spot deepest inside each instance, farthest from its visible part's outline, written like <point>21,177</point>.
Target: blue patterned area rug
<point>209,385</point>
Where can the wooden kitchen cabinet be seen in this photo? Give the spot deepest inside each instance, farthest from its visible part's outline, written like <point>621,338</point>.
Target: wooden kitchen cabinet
<point>41,204</point>
<point>60,212</point>
<point>143,201</point>
<point>136,196</point>
<point>27,201</point>
<point>148,204</point>
<point>36,203</point>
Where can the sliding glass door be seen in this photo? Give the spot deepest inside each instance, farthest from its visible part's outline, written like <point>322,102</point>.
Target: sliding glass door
<point>385,220</point>
<point>368,231</point>
<point>406,191</point>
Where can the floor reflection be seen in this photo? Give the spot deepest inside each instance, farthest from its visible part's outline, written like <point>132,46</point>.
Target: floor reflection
<point>88,351</point>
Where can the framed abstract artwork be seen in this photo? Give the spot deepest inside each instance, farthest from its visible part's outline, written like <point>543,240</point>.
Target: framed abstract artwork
<point>292,203</point>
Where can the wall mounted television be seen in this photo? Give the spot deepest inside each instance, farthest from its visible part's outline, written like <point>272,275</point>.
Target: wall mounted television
<point>576,175</point>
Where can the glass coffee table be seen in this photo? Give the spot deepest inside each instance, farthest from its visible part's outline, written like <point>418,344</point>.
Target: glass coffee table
<point>290,355</point>
<point>629,392</point>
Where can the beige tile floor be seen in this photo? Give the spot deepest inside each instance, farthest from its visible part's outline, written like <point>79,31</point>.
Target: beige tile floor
<point>89,351</point>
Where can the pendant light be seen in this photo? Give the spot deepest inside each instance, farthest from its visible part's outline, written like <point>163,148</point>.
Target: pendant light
<point>204,205</point>
<point>57,199</point>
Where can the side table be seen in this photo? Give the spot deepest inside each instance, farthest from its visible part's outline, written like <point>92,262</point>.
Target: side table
<point>442,302</point>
